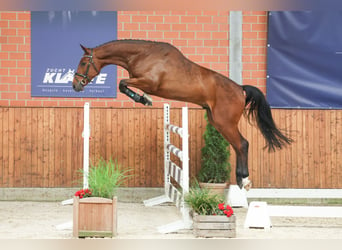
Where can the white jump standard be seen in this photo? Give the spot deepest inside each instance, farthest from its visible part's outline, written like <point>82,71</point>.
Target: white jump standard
<point>177,173</point>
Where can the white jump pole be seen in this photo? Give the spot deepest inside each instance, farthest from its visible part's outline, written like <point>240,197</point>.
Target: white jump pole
<point>86,135</point>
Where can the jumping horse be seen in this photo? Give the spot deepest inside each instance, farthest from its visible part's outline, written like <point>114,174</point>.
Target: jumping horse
<point>160,69</point>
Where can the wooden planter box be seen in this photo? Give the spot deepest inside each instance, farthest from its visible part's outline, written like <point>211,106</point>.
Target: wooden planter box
<point>214,226</point>
<point>94,217</point>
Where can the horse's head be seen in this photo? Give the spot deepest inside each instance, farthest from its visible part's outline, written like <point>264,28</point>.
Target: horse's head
<point>86,70</point>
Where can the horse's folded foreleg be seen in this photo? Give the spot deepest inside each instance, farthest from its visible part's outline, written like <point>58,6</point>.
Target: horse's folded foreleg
<point>144,99</point>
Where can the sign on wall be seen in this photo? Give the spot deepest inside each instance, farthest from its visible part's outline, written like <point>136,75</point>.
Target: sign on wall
<point>55,46</point>
<point>304,59</point>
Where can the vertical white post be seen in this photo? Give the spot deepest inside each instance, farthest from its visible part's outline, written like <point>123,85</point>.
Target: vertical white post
<point>185,150</point>
<point>86,135</point>
<point>166,142</point>
<point>185,167</point>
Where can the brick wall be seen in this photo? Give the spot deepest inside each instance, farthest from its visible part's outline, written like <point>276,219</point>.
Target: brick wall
<point>203,36</point>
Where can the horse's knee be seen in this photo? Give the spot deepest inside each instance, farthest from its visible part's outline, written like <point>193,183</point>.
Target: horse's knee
<point>122,86</point>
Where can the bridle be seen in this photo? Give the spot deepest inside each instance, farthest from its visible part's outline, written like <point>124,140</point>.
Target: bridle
<point>85,76</point>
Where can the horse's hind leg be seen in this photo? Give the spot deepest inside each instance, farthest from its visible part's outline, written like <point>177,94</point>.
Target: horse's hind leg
<point>144,99</point>
<point>229,130</point>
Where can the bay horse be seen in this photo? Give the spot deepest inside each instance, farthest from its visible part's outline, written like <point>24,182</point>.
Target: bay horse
<point>160,69</point>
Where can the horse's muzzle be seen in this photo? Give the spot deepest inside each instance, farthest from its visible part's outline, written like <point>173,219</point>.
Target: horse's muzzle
<point>78,87</point>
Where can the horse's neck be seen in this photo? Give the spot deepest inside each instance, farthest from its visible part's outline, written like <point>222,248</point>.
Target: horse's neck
<point>115,53</point>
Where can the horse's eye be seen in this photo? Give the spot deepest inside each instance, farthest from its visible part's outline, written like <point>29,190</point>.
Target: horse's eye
<point>83,64</point>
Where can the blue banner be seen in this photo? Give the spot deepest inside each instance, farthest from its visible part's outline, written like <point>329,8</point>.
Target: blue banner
<point>304,59</point>
<point>55,45</point>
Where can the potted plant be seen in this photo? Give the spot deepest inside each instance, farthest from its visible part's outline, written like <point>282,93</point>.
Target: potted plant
<point>95,208</point>
<point>211,217</point>
<point>215,166</point>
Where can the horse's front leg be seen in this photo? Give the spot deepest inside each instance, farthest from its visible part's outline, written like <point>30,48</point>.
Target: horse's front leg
<point>144,99</point>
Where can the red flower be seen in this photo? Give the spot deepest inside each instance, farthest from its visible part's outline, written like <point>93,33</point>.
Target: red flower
<point>221,206</point>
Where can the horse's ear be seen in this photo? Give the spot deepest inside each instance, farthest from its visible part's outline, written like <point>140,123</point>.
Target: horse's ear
<point>86,50</point>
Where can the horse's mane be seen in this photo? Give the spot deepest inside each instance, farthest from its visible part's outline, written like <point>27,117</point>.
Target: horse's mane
<point>137,41</point>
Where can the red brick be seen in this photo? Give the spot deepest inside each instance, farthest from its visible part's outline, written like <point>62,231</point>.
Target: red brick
<point>8,64</point>
<point>155,19</point>
<point>3,24</point>
<point>131,26</point>
<point>124,18</point>
<point>250,50</point>
<point>203,35</point>
<point>147,26</point>
<point>34,103</point>
<point>15,39</point>
<point>163,26</point>
<point>17,103</point>
<point>222,19</point>
<point>24,79</point>
<point>172,19</point>
<point>210,27</point>
<point>8,95</point>
<point>179,27</point>
<point>250,35</point>
<point>50,103</point>
<point>16,56</point>
<point>8,32</point>
<point>195,27</point>
<point>219,35</point>
<point>8,15</point>
<point>224,43</point>
<point>204,19</point>
<point>24,32</point>
<point>139,19</point>
<point>24,47</point>
<point>17,71</point>
<point>124,34</point>
<point>17,24</point>
<point>179,43</point>
<point>3,71</point>
<point>220,51</point>
<point>188,19</point>
<point>155,34</point>
<point>139,34</point>
<point>17,87</point>
<point>195,42</point>
<point>194,13</point>
<point>162,12</point>
<point>211,58</point>
<point>258,74</point>
<point>173,35</point>
<point>66,103</point>
<point>195,58</point>
<point>187,35</point>
<point>24,15</point>
<point>4,87</point>
<point>188,50</point>
<point>246,27</point>
<point>203,50</point>
<point>23,96</point>
<point>250,66</point>
<point>224,27</point>
<point>259,27</point>
<point>4,55</point>
<point>249,19</point>
<point>9,47</point>
<point>4,103</point>
<point>210,13</point>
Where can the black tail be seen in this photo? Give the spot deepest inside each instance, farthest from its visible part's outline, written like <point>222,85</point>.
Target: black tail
<point>259,109</point>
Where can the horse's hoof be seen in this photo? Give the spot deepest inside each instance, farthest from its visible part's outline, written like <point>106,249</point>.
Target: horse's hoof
<point>247,184</point>
<point>147,99</point>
